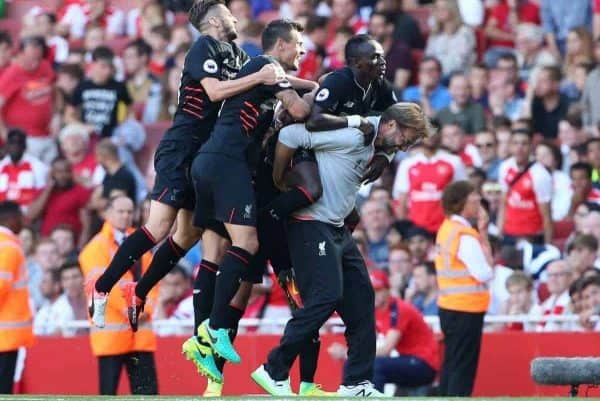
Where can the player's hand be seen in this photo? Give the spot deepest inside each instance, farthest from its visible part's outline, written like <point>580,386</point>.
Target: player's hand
<point>367,128</point>
<point>375,169</point>
<point>271,74</point>
<point>483,220</point>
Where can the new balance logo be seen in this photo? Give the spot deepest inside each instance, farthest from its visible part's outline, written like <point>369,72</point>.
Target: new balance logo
<point>248,212</point>
<point>322,251</point>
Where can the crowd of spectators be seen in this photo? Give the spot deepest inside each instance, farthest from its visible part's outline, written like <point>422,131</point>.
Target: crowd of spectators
<point>512,84</point>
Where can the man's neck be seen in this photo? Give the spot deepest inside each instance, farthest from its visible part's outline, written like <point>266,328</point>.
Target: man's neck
<point>429,152</point>
<point>361,79</point>
<point>140,76</point>
<point>16,161</point>
<point>551,101</point>
<point>99,82</point>
<point>113,167</point>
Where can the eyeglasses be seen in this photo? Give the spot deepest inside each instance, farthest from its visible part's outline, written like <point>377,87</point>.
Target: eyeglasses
<point>484,145</point>
<point>559,274</point>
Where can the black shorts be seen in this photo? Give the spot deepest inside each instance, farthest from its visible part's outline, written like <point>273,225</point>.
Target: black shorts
<point>224,191</point>
<point>172,162</point>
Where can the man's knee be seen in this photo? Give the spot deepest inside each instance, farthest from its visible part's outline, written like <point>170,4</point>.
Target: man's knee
<point>247,240</point>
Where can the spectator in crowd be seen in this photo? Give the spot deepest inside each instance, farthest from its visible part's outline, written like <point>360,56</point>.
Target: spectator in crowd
<point>144,88</point>
<point>170,95</point>
<point>336,57</point>
<point>520,301</point>
<point>527,193</point>
<point>462,110</point>
<point>26,97</point>
<point>100,101</point>
<point>250,38</point>
<point>79,16</point>
<point>492,193</point>
<point>430,93</point>
<point>502,130</point>
<point>95,36</point>
<point>559,17</point>
<point>420,244</point>
<point>397,52</point>
<point>573,85</point>
<point>590,293</point>
<point>450,41</point>
<point>181,38</point>
<point>159,39</point>
<point>576,296</point>
<point>62,202</point>
<point>504,98</point>
<point>582,253</point>
<point>581,184</point>
<point>590,222</point>
<point>174,295</point>
<point>74,141</point>
<point>45,258</point>
<point>593,157</point>
<point>47,319</point>
<point>454,140</point>
<point>406,26</point>
<point>501,26</point>
<point>570,136</point>
<point>423,293</point>
<point>344,14</point>
<point>241,10</point>
<point>6,45</point>
<point>118,178</point>
<point>549,106</point>
<point>64,238</point>
<point>401,268</point>
<point>548,155</point>
<point>28,238</point>
<point>419,183</point>
<point>559,277</point>
<point>405,334</point>
<point>68,78</point>
<point>591,92</point>
<point>45,26</point>
<point>376,219</point>
<point>72,304</point>
<point>315,41</point>
<point>153,14</point>
<point>531,55</point>
<point>22,176</point>
<point>486,145</point>
<point>478,82</point>
<point>578,50</point>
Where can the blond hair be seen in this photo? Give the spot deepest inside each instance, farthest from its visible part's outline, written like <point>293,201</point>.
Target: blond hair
<point>410,115</point>
<point>519,278</point>
<point>456,20</point>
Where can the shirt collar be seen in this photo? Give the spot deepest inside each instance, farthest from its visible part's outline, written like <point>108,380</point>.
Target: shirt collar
<point>459,219</point>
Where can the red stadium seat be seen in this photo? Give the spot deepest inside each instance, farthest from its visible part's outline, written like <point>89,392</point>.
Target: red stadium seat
<point>416,55</point>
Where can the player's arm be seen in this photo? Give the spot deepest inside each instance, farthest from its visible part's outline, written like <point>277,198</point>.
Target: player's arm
<point>389,343</point>
<point>302,84</point>
<point>219,90</point>
<point>297,107</point>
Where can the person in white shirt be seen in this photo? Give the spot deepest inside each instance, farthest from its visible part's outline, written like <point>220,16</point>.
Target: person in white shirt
<point>72,304</point>
<point>559,276</point>
<point>44,322</point>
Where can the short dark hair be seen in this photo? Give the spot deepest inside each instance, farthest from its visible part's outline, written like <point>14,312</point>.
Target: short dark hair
<point>523,131</point>
<point>555,150</point>
<point>593,280</point>
<point>583,166</point>
<point>73,70</point>
<point>429,268</point>
<point>499,122</point>
<point>455,196</point>
<point>388,18</point>
<point>6,38</point>
<point>554,72</point>
<point>141,47</point>
<point>9,210</point>
<point>508,57</point>
<point>103,53</point>
<point>163,31</point>
<point>575,287</point>
<point>278,29</point>
<point>433,59</point>
<point>199,10</point>
<point>315,22</point>
<point>51,16</point>
<point>586,241</point>
<point>16,133</point>
<point>353,49</point>
<point>107,147</point>
<point>68,265</point>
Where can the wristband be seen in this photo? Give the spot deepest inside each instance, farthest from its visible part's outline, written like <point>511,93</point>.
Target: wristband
<point>354,121</point>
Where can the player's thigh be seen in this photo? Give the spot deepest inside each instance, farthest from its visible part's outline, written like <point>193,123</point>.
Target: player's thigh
<point>160,219</point>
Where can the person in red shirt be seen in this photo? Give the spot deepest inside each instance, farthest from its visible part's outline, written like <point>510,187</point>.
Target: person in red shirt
<point>583,190</point>
<point>22,176</point>
<point>6,47</point>
<point>74,140</point>
<point>62,202</point>
<point>503,18</point>
<point>420,181</point>
<point>407,352</point>
<point>159,41</point>
<point>526,194</point>
<point>344,14</point>
<point>454,140</point>
<point>26,97</point>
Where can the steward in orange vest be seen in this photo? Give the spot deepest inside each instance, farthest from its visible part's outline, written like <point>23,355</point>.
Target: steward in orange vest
<point>116,345</point>
<point>15,315</point>
<point>463,266</point>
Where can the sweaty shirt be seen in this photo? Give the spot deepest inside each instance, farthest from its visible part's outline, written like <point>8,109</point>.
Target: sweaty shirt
<point>208,58</point>
<point>342,158</point>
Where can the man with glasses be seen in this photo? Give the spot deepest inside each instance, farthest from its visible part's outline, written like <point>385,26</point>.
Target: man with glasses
<point>485,142</point>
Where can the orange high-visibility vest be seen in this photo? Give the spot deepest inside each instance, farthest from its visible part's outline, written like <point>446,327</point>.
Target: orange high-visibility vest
<point>116,337</point>
<point>458,290</point>
<point>15,315</point>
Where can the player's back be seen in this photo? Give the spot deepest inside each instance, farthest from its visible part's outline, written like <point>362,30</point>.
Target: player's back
<point>208,58</point>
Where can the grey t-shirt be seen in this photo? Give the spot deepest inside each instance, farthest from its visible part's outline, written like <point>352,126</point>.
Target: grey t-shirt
<point>342,158</point>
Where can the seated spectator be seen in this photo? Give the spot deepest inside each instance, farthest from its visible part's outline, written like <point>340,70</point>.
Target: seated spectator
<point>573,87</point>
<point>6,45</point>
<point>582,188</point>
<point>72,304</point>
<point>170,95</point>
<point>118,178</point>
<point>22,176</point>
<point>486,145</point>
<point>145,15</point>
<point>423,293</point>
<point>26,98</point>
<point>62,202</point>
<point>420,181</point>
<point>531,56</point>
<point>344,13</point>
<point>145,89</point>
<point>58,47</point>
<point>582,253</point>
<point>420,244</point>
<point>570,136</point>
<point>549,156</point>
<point>250,38</point>
<point>478,82</point>
<point>175,296</point>
<point>397,52</point>
<point>559,17</point>
<point>591,92</point>
<point>501,26</point>
<point>48,317</point>
<point>181,38</point>
<point>241,10</point>
<point>576,296</point>
<point>401,268</point>
<point>74,140</point>
<point>590,293</point>
<point>453,140</point>
<point>503,131</point>
<point>462,110</point>
<point>406,26</point>
<point>79,15</point>
<point>28,238</point>
<point>504,98</point>
<point>533,259</point>
<point>100,101</point>
<point>336,57</point>
<point>64,238</point>
<point>450,41</point>
<point>68,77</point>
<point>492,194</point>
<point>159,41</point>
<point>559,276</point>
<point>430,93</point>
<point>376,219</point>
<point>578,50</point>
<point>45,258</point>
<point>521,298</point>
<point>549,106</point>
